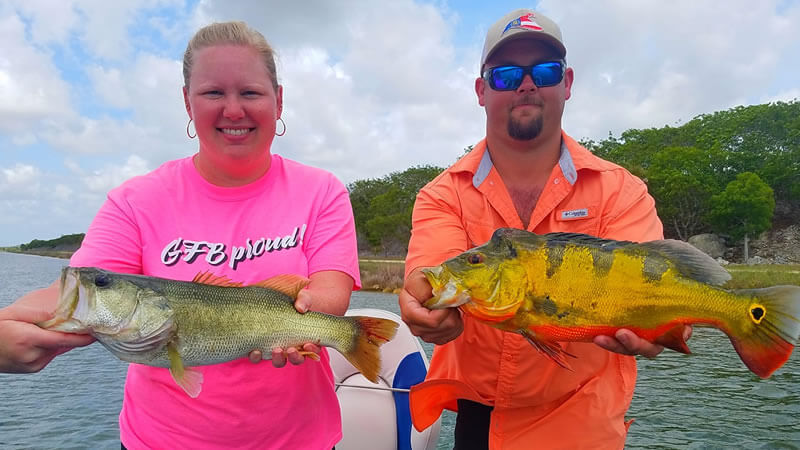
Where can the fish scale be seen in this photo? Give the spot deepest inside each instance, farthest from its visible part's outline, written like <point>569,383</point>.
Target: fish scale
<point>217,324</point>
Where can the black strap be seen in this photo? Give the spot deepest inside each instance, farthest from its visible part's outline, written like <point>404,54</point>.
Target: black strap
<point>472,426</point>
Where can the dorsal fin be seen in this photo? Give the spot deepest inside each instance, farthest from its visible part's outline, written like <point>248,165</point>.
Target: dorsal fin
<point>585,239</point>
<point>690,261</point>
<point>215,280</point>
<point>289,284</point>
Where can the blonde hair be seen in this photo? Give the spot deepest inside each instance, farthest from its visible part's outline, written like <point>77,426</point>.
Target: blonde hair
<point>236,33</point>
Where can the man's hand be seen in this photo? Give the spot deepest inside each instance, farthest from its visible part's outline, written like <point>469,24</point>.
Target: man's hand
<point>626,342</point>
<point>434,326</point>
<point>26,348</point>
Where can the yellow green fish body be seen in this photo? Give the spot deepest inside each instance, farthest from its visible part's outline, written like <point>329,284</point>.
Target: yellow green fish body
<point>177,324</point>
<point>573,287</point>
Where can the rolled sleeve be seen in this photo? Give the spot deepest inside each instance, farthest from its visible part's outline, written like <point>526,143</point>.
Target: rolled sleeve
<point>437,231</point>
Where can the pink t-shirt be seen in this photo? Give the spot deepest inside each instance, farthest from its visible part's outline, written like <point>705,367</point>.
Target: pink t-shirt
<point>173,224</point>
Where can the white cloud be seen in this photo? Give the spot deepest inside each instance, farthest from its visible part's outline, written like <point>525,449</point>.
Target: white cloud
<point>359,110</point>
<point>62,193</point>
<point>783,96</point>
<point>50,22</point>
<point>670,61</point>
<point>149,92</point>
<point>20,180</point>
<point>110,176</point>
<point>31,89</point>
<point>109,85</point>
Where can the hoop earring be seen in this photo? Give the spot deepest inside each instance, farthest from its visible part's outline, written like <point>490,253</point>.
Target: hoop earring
<point>284,127</point>
<point>187,130</point>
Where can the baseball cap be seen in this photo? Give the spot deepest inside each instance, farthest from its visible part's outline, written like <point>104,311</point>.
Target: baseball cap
<point>522,23</point>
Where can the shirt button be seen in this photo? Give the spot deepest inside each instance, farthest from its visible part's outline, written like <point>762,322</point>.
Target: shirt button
<point>555,181</point>
<point>509,357</point>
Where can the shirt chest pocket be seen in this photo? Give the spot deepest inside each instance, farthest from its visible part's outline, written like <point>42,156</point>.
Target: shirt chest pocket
<point>479,232</point>
<point>581,219</point>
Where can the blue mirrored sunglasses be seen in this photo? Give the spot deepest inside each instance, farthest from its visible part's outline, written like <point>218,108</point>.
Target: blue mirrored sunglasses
<point>509,77</point>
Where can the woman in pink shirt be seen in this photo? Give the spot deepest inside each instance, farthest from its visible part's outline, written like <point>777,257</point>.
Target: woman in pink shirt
<point>234,208</point>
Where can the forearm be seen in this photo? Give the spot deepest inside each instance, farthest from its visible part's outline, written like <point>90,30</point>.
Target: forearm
<point>330,291</point>
<point>35,306</point>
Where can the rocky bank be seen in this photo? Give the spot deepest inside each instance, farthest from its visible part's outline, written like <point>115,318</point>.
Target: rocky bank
<point>772,247</point>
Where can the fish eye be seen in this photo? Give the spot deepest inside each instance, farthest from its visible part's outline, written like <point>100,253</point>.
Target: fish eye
<point>475,258</point>
<point>102,280</point>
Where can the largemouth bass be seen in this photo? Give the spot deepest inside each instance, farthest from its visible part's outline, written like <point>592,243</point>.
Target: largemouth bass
<point>210,320</point>
<point>573,287</point>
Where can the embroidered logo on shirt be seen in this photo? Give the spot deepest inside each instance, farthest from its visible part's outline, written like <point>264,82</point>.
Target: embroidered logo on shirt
<point>575,214</point>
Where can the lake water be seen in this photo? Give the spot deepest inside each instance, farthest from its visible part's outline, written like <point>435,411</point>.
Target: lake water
<point>708,400</point>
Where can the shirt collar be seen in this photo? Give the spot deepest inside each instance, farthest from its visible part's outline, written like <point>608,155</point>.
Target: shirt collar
<point>573,158</point>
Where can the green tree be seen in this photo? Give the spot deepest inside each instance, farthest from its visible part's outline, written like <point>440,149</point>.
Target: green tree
<point>682,181</point>
<point>743,209</point>
<point>389,228</point>
<point>382,208</point>
<point>69,240</point>
<point>763,139</point>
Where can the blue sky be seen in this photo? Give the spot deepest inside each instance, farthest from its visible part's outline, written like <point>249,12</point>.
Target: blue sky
<point>90,90</point>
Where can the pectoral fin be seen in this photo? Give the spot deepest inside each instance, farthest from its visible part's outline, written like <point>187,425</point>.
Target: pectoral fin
<point>189,379</point>
<point>551,349</point>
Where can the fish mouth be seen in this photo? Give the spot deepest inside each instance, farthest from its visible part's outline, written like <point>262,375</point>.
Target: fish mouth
<point>445,294</point>
<point>451,295</point>
<point>72,305</point>
<point>69,287</point>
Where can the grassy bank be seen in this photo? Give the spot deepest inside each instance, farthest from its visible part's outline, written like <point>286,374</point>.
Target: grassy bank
<point>381,275</point>
<point>762,275</point>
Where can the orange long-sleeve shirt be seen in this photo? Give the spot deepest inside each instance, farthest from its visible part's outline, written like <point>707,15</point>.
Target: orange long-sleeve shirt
<point>537,404</point>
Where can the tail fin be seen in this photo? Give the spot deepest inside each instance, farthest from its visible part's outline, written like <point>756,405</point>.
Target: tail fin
<point>364,354</point>
<point>774,328</point>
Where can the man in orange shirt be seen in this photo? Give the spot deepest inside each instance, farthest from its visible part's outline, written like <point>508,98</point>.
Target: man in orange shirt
<point>527,173</point>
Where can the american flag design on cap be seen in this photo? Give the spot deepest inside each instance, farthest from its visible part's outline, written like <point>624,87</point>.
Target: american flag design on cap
<point>527,22</point>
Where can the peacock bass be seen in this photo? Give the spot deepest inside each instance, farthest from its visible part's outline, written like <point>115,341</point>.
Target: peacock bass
<point>573,287</point>
<point>179,324</point>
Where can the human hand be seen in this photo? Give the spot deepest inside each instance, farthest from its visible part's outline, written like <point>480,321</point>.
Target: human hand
<point>26,348</point>
<point>280,356</point>
<point>434,326</point>
<point>626,342</point>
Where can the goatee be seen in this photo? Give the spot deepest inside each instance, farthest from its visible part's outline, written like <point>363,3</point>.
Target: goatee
<point>524,130</point>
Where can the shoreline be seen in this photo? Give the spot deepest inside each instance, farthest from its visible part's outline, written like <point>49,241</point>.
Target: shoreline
<point>63,254</point>
<point>377,275</point>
